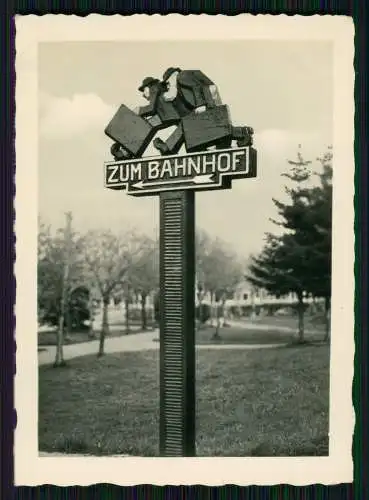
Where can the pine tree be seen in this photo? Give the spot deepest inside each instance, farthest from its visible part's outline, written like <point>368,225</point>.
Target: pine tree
<point>284,265</point>
<point>299,261</point>
<point>321,229</point>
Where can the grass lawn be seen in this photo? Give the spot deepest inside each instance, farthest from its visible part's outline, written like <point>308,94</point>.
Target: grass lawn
<point>311,322</point>
<point>271,402</point>
<point>239,335</point>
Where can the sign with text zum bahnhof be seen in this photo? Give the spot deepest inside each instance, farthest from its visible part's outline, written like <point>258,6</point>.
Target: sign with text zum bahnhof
<point>203,151</point>
<point>188,101</point>
<point>197,171</point>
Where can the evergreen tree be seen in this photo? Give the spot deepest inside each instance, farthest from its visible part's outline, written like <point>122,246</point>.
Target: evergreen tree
<point>321,229</point>
<point>298,261</point>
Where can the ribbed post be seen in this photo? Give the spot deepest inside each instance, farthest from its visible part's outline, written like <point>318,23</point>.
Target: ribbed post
<point>177,323</point>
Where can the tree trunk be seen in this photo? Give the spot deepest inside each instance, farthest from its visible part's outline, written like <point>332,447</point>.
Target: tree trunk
<point>225,324</point>
<point>327,310</point>
<point>59,355</point>
<point>253,308</point>
<point>216,335</point>
<point>104,327</point>
<point>91,333</point>
<point>200,318</point>
<point>126,303</point>
<point>153,319</point>
<point>68,320</point>
<point>143,311</point>
<point>211,308</point>
<point>157,309</point>
<point>300,312</point>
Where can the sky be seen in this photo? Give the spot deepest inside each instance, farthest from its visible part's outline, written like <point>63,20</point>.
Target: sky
<point>283,89</point>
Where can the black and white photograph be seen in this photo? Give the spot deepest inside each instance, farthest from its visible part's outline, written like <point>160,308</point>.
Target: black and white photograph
<point>185,250</point>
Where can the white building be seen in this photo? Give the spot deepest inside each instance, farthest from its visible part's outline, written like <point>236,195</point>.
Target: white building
<point>247,295</point>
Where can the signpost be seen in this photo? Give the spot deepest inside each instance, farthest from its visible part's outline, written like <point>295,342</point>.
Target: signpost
<point>175,178</point>
<point>177,323</point>
<point>196,171</point>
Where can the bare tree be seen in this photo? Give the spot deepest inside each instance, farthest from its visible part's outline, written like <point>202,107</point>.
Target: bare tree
<point>203,265</point>
<point>219,271</point>
<point>59,268</point>
<point>59,355</point>
<point>109,258</point>
<point>144,277</point>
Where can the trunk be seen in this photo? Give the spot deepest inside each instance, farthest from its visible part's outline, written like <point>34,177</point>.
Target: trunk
<point>59,356</point>
<point>152,312</point>
<point>68,322</point>
<point>211,308</point>
<point>104,327</point>
<point>300,312</point>
<point>199,320</point>
<point>216,335</point>
<point>156,310</point>
<point>327,310</point>
<point>253,312</point>
<point>126,303</point>
<point>143,311</point>
<point>64,299</point>
<point>253,307</point>
<point>153,320</point>
<point>91,333</point>
<point>225,324</point>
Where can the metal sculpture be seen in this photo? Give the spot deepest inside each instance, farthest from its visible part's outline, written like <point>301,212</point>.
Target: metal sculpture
<point>185,98</point>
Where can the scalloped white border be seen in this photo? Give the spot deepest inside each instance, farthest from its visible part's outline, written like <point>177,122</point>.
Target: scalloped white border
<point>30,469</point>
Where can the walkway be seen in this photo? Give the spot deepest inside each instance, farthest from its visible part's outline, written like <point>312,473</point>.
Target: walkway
<point>129,343</point>
<point>126,343</point>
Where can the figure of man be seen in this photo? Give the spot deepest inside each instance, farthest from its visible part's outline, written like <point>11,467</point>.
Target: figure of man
<point>192,93</point>
<point>160,113</point>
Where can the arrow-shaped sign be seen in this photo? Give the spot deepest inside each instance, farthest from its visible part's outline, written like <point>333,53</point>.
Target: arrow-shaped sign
<point>198,179</point>
<point>206,170</point>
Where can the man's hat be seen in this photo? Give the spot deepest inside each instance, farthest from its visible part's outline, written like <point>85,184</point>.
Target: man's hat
<point>146,82</point>
<point>169,72</point>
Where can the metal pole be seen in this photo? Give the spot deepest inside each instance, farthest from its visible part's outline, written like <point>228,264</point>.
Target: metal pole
<point>177,323</point>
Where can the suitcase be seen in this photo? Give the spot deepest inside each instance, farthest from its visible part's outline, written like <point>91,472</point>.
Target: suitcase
<point>208,128</point>
<point>130,130</point>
